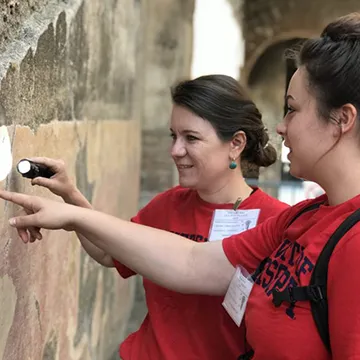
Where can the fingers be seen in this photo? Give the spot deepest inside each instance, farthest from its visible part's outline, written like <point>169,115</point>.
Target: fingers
<point>23,234</point>
<point>23,200</point>
<point>33,231</point>
<point>59,183</point>
<point>53,164</point>
<point>34,234</point>
<point>26,221</point>
<point>28,235</point>
<point>48,183</point>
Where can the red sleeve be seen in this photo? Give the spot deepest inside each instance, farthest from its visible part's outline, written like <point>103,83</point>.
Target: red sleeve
<point>252,246</point>
<point>344,300</point>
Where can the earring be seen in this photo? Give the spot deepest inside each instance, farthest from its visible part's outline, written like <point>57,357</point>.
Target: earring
<point>233,165</point>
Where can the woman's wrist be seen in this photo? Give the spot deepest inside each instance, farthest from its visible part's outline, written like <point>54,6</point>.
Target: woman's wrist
<point>74,217</point>
<point>75,197</point>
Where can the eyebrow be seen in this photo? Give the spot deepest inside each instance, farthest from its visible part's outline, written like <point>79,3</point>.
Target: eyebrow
<point>187,131</point>
<point>288,96</point>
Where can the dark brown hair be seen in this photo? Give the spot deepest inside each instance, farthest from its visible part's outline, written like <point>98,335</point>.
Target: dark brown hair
<point>223,102</point>
<point>332,64</point>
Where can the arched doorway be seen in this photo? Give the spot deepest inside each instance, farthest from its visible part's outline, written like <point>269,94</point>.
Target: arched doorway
<point>267,81</point>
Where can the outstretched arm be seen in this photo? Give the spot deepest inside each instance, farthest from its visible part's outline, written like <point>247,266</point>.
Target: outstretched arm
<point>165,258</point>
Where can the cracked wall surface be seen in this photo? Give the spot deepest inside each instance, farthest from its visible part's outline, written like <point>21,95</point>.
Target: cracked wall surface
<point>69,89</point>
<point>55,299</point>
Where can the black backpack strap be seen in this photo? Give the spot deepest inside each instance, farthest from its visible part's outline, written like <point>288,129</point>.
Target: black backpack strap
<point>261,266</point>
<point>320,274</point>
<point>303,211</point>
<point>316,292</point>
<point>247,356</point>
<point>313,293</point>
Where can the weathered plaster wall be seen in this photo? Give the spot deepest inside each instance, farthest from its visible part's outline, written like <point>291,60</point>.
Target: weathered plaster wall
<point>167,55</point>
<point>69,89</point>
<point>56,303</point>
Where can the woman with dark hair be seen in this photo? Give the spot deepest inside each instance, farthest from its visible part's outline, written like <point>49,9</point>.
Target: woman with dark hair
<point>214,126</point>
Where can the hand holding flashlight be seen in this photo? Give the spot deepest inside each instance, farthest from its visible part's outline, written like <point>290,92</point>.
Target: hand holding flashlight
<point>30,169</point>
<point>49,173</point>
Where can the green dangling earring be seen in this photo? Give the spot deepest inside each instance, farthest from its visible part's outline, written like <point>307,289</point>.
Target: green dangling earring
<point>233,165</point>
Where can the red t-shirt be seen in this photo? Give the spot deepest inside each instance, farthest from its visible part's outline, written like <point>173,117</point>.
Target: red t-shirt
<point>289,333</point>
<point>183,326</point>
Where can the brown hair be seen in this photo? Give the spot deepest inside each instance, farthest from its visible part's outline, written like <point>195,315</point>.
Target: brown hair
<point>222,101</point>
<point>332,64</point>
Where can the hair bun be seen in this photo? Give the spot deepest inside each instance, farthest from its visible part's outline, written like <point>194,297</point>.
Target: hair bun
<point>345,28</point>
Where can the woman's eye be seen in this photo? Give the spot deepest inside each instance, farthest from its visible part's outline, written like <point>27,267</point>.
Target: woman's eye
<point>289,109</point>
<point>173,136</point>
<point>191,138</point>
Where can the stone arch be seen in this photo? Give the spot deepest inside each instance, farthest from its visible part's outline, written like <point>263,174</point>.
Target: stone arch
<point>266,22</point>
<point>267,84</point>
<point>262,49</point>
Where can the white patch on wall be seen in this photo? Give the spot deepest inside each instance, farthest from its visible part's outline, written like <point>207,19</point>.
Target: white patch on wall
<point>5,153</point>
<point>218,46</point>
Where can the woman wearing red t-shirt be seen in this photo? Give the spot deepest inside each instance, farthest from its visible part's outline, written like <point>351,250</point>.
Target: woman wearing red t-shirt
<point>213,126</point>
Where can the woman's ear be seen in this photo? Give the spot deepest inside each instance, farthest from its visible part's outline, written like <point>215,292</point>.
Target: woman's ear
<point>347,117</point>
<point>237,144</point>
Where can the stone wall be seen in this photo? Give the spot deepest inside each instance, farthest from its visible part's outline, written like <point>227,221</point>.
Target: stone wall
<point>167,59</point>
<point>267,22</point>
<point>70,89</point>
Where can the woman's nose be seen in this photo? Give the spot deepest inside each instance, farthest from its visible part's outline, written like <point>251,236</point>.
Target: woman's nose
<point>178,149</point>
<point>281,128</point>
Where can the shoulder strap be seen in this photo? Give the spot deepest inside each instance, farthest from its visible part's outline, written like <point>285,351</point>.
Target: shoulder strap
<point>319,276</point>
<point>246,356</point>
<point>261,266</point>
<point>316,291</point>
<point>303,211</point>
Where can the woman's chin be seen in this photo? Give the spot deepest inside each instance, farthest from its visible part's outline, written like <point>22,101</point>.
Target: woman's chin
<point>187,183</point>
<point>295,172</point>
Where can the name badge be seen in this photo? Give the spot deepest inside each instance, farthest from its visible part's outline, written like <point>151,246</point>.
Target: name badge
<point>226,223</point>
<point>238,294</point>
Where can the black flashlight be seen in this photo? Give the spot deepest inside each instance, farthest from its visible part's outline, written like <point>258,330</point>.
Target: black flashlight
<point>31,170</point>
